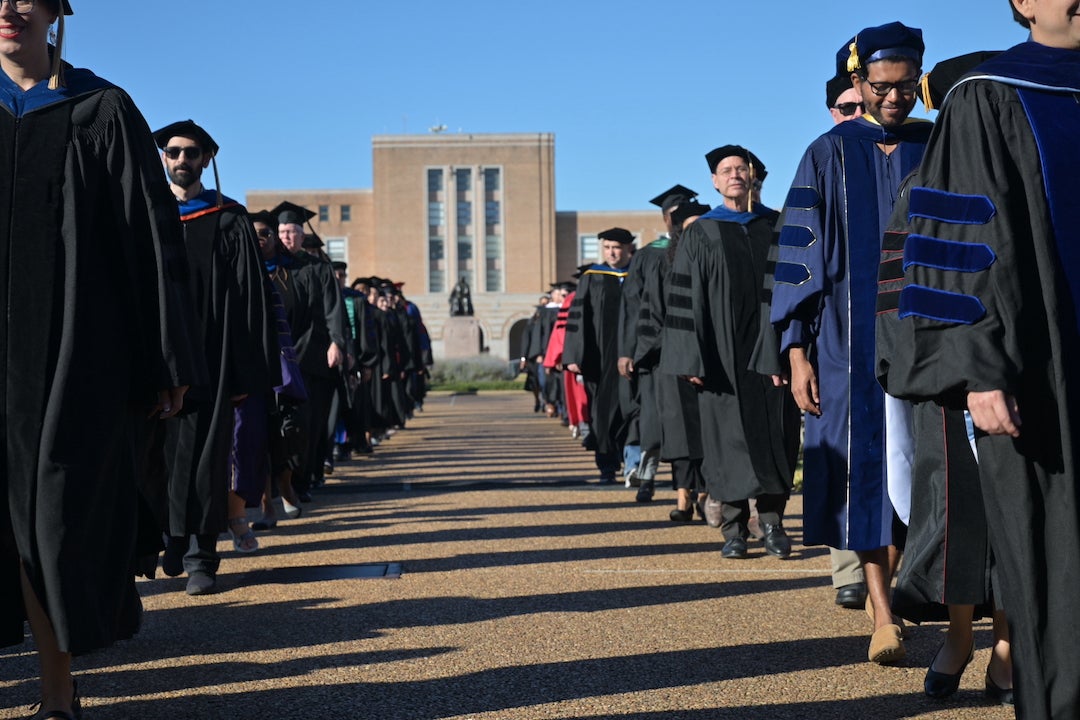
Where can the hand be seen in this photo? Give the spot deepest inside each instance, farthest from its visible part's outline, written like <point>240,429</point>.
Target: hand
<point>694,380</point>
<point>626,367</point>
<point>334,356</point>
<point>350,361</point>
<point>995,412</point>
<point>573,367</point>
<point>521,364</point>
<point>804,383</point>
<point>169,403</point>
<point>779,380</point>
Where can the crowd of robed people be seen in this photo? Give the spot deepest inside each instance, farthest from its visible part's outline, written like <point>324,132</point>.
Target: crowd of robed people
<point>919,305</point>
<point>172,359</point>
<point>915,297</point>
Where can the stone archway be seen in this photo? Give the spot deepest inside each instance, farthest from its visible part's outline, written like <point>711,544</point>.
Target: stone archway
<point>513,343</point>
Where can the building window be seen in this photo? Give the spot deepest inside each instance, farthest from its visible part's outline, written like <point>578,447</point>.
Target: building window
<point>337,249</point>
<point>436,197</point>
<point>324,213</point>
<point>437,265</point>
<point>493,230</point>
<point>346,213</point>
<point>466,267</point>
<point>588,249</point>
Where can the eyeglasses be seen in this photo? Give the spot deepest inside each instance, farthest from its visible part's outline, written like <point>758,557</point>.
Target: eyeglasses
<point>848,109</point>
<point>904,87</point>
<point>265,233</point>
<point>23,7</point>
<point>193,152</point>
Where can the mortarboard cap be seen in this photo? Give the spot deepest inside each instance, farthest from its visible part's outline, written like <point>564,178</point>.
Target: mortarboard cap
<point>836,87</point>
<point>713,158</point>
<point>186,128</point>
<point>892,40</point>
<point>67,8</point>
<point>842,56</point>
<point>935,85</point>
<point>688,210</point>
<point>564,285</point>
<point>339,265</point>
<point>619,235</point>
<point>288,213</point>
<point>673,196</point>
<point>312,241</point>
<point>265,217</point>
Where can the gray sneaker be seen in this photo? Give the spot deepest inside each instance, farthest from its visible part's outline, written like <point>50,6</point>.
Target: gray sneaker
<point>200,583</point>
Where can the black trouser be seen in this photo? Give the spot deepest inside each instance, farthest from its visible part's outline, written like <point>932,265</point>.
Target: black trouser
<point>320,392</point>
<point>686,475</point>
<point>736,514</point>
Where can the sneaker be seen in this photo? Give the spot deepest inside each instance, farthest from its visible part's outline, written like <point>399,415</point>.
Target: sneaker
<point>632,479</point>
<point>200,583</point>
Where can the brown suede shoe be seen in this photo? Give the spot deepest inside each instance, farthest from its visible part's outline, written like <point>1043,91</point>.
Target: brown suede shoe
<point>886,646</point>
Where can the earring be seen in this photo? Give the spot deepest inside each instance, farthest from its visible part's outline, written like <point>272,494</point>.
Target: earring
<point>52,35</point>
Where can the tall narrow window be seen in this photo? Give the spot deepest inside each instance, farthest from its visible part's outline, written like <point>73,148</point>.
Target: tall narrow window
<point>463,189</point>
<point>436,194</point>
<point>324,213</point>
<point>346,213</point>
<point>588,249</point>
<point>493,230</point>
<point>336,249</point>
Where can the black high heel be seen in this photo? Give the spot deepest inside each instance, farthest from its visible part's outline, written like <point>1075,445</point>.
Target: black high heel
<point>1000,695</point>
<point>941,685</point>
<point>76,708</point>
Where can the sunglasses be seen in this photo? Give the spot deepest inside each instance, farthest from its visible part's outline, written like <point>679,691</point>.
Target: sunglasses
<point>193,152</point>
<point>848,109</point>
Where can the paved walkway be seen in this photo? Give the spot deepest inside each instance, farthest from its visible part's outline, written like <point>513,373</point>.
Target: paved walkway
<point>523,593</point>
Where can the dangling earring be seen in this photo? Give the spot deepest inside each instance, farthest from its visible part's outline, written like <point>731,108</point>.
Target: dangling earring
<point>52,35</point>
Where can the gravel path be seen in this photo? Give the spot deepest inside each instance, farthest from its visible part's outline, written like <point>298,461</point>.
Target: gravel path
<point>468,571</point>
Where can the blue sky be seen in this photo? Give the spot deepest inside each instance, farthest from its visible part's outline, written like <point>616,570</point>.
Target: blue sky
<point>635,92</point>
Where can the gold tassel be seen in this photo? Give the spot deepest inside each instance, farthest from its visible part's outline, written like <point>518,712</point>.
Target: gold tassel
<point>924,90</point>
<point>56,76</point>
<point>753,180</point>
<point>853,63</point>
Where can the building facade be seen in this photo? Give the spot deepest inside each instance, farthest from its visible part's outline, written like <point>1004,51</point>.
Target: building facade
<point>449,206</point>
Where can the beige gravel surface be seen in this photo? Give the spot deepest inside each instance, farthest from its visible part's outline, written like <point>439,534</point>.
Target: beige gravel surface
<point>525,591</point>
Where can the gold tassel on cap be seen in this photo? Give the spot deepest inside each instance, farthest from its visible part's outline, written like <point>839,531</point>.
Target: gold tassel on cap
<point>924,90</point>
<point>56,76</point>
<point>853,63</point>
<point>753,179</point>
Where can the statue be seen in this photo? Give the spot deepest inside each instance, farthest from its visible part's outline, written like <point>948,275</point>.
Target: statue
<point>461,299</point>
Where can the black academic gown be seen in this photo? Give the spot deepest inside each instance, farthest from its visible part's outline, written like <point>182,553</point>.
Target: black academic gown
<point>239,344</point>
<point>749,427</point>
<point>592,342</point>
<point>639,339</point>
<point>676,400</point>
<point>96,320</point>
<point>991,302</point>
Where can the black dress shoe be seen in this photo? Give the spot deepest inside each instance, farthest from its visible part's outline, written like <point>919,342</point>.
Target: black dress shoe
<point>777,543</point>
<point>646,491</point>
<point>1000,695</point>
<point>678,515</point>
<point>303,496</point>
<point>941,685</point>
<point>735,549</point>
<point>852,597</point>
<point>172,562</point>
